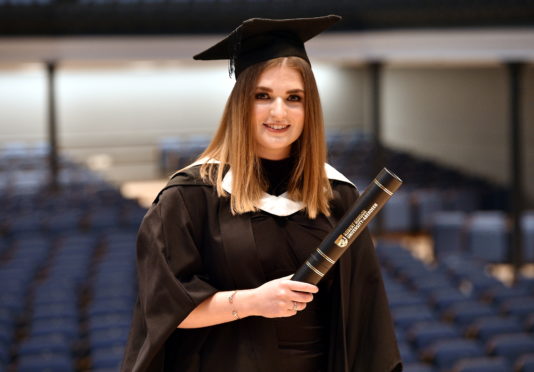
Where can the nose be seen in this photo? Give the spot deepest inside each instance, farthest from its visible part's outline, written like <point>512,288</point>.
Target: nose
<point>278,109</point>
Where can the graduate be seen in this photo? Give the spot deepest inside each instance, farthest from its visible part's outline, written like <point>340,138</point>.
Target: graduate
<point>217,249</point>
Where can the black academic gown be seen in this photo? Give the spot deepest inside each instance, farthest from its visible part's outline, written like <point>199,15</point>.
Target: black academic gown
<point>190,246</point>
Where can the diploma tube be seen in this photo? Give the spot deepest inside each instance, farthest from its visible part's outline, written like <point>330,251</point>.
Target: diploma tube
<point>349,227</point>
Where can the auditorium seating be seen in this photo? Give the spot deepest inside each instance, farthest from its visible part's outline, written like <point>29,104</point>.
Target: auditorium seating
<point>463,320</point>
<point>67,267</point>
<point>67,276</point>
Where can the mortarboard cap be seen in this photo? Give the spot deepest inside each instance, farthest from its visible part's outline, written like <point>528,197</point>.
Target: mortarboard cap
<point>260,39</point>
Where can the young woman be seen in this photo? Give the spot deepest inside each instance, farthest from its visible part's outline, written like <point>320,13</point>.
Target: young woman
<point>218,247</point>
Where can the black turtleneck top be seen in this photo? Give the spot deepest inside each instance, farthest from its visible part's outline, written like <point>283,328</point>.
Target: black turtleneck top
<point>284,243</point>
<point>277,174</point>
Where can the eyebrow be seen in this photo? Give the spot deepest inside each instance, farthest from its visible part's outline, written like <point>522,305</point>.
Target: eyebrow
<point>291,91</point>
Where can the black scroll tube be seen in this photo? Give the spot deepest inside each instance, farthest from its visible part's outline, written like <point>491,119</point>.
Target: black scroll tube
<point>349,227</point>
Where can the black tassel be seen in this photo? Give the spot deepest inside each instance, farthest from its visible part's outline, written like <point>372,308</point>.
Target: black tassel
<point>236,48</point>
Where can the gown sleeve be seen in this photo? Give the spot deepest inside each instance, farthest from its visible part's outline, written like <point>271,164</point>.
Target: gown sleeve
<point>368,327</point>
<point>171,280</point>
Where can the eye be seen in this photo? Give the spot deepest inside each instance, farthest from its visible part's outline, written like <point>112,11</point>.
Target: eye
<point>261,95</point>
<point>294,98</point>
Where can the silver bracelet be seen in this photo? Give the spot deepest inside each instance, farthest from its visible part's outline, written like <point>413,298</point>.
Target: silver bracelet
<point>231,301</point>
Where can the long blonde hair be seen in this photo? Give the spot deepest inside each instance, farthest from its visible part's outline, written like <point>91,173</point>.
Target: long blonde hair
<point>234,145</point>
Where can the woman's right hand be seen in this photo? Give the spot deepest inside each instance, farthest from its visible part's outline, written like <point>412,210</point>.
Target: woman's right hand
<point>275,299</point>
<point>280,298</point>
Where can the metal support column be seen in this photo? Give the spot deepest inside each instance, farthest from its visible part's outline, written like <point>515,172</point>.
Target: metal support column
<point>375,71</point>
<point>516,166</point>
<point>52,127</point>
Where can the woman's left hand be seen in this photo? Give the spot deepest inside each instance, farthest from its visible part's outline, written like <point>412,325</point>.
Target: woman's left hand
<point>277,298</point>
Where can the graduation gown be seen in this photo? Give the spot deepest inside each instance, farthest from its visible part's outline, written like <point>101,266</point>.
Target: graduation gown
<point>190,246</point>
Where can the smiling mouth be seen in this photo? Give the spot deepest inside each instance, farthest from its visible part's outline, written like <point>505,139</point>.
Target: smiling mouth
<point>277,126</point>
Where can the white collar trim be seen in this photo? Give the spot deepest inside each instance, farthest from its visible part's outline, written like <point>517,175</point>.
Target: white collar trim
<point>280,205</point>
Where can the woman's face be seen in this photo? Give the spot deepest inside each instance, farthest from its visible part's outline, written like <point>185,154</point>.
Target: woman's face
<point>278,111</point>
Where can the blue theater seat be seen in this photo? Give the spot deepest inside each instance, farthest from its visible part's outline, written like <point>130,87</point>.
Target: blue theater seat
<point>111,306</point>
<point>488,236</point>
<point>393,287</point>
<point>484,364</point>
<point>13,302</point>
<point>427,204</point>
<point>403,299</point>
<point>448,232</point>
<point>441,298</point>
<point>45,345</point>
<point>404,317</point>
<point>106,321</point>
<point>3,245</point>
<point>464,199</point>
<point>476,278</point>
<point>418,367</point>
<point>107,358</point>
<point>464,313</point>
<point>109,338</point>
<point>423,334</point>
<point>525,363</point>
<point>103,218</point>
<point>56,310</point>
<point>486,328</point>
<point>64,220</point>
<point>444,354</point>
<point>46,363</point>
<point>519,306</point>
<point>397,213</point>
<point>407,268</point>
<point>428,284</point>
<point>6,334</point>
<point>500,293</point>
<point>66,327</point>
<point>511,346</point>
<point>4,347</point>
<point>56,291</point>
<point>406,353</point>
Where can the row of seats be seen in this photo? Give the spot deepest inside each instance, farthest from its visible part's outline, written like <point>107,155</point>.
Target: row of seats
<point>453,316</point>
<point>412,209</point>
<point>70,219</point>
<point>482,235</point>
